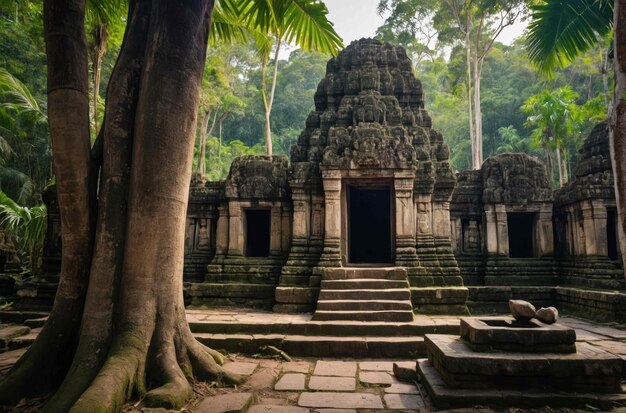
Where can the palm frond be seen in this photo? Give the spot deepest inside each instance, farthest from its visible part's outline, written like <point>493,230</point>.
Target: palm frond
<point>105,12</point>
<point>307,26</point>
<point>561,30</point>
<point>19,97</point>
<point>300,22</point>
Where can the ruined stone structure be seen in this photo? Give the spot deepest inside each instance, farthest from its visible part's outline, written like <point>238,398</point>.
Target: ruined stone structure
<point>514,237</point>
<point>369,185</point>
<point>368,221</point>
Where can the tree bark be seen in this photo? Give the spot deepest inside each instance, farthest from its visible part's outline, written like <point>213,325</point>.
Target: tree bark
<point>478,115</point>
<point>269,101</point>
<point>617,130</point>
<point>134,336</point>
<point>44,365</point>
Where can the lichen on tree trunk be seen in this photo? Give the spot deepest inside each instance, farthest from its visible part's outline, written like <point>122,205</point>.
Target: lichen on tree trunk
<point>134,337</point>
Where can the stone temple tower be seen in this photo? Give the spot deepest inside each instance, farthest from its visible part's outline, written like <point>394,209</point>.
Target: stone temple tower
<point>371,185</point>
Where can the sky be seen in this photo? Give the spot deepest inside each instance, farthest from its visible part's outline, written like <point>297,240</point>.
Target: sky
<point>354,19</point>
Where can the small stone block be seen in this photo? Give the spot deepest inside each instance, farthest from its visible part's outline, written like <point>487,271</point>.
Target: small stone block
<point>241,368</point>
<point>225,403</point>
<point>334,411</point>
<point>375,377</point>
<point>403,401</point>
<point>340,400</point>
<point>291,382</point>
<point>277,409</point>
<point>296,367</point>
<point>335,368</point>
<point>332,383</point>
<point>402,388</point>
<point>376,365</point>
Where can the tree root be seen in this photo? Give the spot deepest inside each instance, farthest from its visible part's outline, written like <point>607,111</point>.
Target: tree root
<point>173,364</point>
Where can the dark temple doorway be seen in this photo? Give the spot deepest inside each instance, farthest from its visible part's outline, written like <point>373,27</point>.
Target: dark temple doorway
<point>520,226</point>
<point>611,233</point>
<point>258,229</point>
<point>369,225</point>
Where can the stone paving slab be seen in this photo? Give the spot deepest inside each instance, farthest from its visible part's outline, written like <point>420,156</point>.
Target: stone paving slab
<point>375,377</point>
<point>332,383</point>
<point>225,403</point>
<point>403,401</point>
<point>241,368</point>
<point>340,400</point>
<point>335,368</point>
<point>402,388</point>
<point>291,382</point>
<point>334,411</point>
<point>296,367</point>
<point>277,409</point>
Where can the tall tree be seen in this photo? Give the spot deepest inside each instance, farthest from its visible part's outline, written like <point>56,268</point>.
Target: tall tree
<point>480,22</point>
<point>301,22</point>
<point>119,301</point>
<point>560,31</point>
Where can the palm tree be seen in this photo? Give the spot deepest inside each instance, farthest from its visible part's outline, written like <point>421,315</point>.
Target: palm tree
<point>27,226</point>
<point>301,22</point>
<point>24,148</point>
<point>560,31</point>
<point>551,114</point>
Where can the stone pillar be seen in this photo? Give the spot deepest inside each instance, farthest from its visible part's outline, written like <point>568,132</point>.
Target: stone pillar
<point>544,233</point>
<point>590,245</point>
<point>221,238</point>
<point>285,229</point>
<point>496,230</point>
<point>600,225</point>
<point>317,221</point>
<point>405,223</point>
<point>276,219</point>
<point>424,241</point>
<point>235,229</point>
<point>331,254</point>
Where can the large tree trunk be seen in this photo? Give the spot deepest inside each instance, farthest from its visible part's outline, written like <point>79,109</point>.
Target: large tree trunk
<point>46,361</point>
<point>134,335</point>
<point>617,131</point>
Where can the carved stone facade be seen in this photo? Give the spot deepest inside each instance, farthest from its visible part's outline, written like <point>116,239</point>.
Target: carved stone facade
<point>369,196</point>
<point>369,136</point>
<point>586,215</point>
<point>514,237</point>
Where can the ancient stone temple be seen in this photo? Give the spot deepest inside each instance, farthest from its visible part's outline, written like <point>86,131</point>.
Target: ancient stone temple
<point>365,198</point>
<point>367,220</point>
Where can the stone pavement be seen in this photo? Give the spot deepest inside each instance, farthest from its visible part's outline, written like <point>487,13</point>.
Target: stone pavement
<point>352,384</point>
<point>316,386</point>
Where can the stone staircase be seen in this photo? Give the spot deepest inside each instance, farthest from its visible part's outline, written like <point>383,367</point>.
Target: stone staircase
<point>364,294</point>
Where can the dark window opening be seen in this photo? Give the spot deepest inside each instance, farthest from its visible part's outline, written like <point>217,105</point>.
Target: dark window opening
<point>611,233</point>
<point>258,230</point>
<point>369,225</point>
<point>520,234</point>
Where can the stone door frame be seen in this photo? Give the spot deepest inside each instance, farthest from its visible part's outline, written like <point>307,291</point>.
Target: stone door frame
<point>366,183</point>
<point>335,217</point>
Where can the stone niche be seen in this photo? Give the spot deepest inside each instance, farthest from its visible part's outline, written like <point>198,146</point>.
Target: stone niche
<point>502,223</point>
<point>248,231</point>
<point>586,219</point>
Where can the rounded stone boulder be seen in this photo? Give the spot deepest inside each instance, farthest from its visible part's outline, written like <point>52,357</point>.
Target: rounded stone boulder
<point>522,310</point>
<point>547,315</point>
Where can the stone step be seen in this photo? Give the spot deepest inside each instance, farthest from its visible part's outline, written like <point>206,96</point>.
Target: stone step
<point>386,315</point>
<point>319,346</point>
<point>421,325</point>
<point>357,283</point>
<point>35,322</point>
<point>359,305</point>
<point>366,294</point>
<point>347,273</point>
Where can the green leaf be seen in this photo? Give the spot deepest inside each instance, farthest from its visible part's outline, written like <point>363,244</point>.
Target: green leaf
<point>561,30</point>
